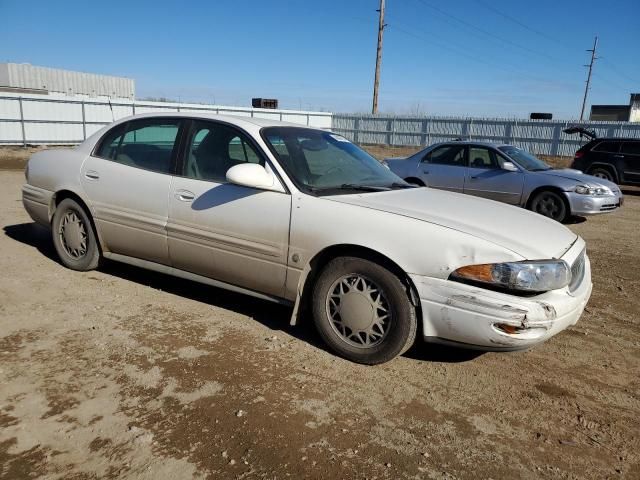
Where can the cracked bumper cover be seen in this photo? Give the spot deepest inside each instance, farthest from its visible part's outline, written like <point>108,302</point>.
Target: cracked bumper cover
<point>457,313</point>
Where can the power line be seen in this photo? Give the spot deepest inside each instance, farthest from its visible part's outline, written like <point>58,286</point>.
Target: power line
<point>619,72</point>
<point>487,33</point>
<point>501,65</point>
<point>521,24</point>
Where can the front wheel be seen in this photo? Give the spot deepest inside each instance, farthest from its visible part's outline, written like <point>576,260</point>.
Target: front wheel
<point>362,311</point>
<point>602,173</point>
<point>550,204</point>
<point>73,237</point>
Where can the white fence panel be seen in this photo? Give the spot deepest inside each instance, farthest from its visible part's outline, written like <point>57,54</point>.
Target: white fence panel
<point>9,131</point>
<point>53,132</point>
<point>9,109</point>
<point>54,119</point>
<point>52,111</point>
<point>537,136</point>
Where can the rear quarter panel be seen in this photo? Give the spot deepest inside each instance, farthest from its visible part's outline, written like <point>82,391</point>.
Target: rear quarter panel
<point>403,167</point>
<point>56,170</point>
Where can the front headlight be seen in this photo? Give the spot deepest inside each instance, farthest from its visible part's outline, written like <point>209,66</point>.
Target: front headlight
<point>528,276</point>
<point>587,190</point>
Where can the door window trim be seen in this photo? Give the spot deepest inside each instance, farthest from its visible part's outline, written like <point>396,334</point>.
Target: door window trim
<point>595,148</point>
<point>125,129</point>
<point>184,147</point>
<point>629,142</point>
<point>465,156</point>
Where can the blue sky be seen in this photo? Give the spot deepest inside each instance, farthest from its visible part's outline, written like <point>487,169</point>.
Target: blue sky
<point>469,57</point>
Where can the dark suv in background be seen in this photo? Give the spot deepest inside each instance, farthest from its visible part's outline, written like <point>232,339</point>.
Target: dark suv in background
<point>614,159</point>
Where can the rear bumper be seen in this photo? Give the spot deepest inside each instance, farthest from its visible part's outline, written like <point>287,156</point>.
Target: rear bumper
<point>456,313</point>
<point>593,205</point>
<point>37,203</point>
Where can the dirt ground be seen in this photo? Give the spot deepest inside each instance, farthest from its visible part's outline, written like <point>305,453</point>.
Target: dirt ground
<point>124,373</point>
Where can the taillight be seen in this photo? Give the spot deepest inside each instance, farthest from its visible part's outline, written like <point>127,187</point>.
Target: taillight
<point>579,154</point>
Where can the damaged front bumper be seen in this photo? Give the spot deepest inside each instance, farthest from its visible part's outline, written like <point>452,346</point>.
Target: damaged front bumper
<point>474,317</point>
<point>593,205</point>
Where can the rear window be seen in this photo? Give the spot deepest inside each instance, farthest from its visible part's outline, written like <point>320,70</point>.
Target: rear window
<point>446,155</point>
<point>146,143</point>
<point>631,148</point>
<point>611,147</point>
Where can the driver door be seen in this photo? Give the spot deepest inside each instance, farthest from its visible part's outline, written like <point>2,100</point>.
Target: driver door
<point>238,235</point>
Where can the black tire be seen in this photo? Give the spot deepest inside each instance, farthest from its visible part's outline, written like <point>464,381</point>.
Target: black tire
<point>80,252</point>
<point>551,205</point>
<point>399,329</point>
<point>603,173</point>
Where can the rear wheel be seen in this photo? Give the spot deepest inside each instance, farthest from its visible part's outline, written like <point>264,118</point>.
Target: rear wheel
<point>603,173</point>
<point>550,204</point>
<point>73,236</point>
<point>362,311</point>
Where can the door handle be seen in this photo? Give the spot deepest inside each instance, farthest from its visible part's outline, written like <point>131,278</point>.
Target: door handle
<point>92,174</point>
<point>426,172</point>
<point>618,156</point>
<point>185,195</point>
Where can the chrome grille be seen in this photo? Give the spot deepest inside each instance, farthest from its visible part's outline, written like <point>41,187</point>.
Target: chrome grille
<point>577,271</point>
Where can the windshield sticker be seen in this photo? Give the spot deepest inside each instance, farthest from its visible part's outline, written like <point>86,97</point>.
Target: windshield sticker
<point>338,138</point>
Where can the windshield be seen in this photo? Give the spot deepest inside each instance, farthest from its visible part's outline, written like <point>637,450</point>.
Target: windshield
<point>525,159</point>
<point>323,162</point>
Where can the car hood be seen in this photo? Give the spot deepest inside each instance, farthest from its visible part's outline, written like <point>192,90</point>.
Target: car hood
<point>525,233</point>
<point>579,177</point>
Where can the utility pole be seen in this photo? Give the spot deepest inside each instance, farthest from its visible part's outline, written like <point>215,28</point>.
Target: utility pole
<point>586,88</point>
<point>376,82</point>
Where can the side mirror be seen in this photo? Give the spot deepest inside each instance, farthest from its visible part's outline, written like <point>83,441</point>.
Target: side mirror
<point>510,167</point>
<point>254,176</point>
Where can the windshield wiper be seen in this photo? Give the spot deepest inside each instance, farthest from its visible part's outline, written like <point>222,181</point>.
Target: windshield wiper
<point>540,169</point>
<point>364,188</point>
<point>402,185</point>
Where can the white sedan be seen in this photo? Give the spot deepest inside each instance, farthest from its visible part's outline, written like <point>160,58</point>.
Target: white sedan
<point>303,217</point>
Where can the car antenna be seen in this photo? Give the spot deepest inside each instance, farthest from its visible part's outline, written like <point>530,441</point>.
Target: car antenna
<point>113,118</point>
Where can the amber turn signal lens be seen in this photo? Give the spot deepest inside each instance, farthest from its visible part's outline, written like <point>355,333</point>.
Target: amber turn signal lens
<point>480,273</point>
<point>510,329</point>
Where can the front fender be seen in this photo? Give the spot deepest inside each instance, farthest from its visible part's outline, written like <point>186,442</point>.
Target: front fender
<point>415,246</point>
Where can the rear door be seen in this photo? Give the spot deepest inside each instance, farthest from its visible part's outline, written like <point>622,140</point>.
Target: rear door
<point>238,235</point>
<point>486,178</point>
<point>127,181</point>
<point>631,161</point>
<point>444,168</point>
<point>607,154</point>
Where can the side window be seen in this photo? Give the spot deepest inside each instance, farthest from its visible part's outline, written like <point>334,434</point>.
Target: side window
<point>610,147</point>
<point>631,148</point>
<point>480,157</point>
<point>111,142</point>
<point>147,144</point>
<point>213,148</point>
<point>447,155</point>
<point>240,151</point>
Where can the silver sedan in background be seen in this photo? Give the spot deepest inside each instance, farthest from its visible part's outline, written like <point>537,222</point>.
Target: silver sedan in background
<point>508,174</point>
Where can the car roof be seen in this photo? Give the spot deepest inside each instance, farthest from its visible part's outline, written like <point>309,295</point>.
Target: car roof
<point>238,120</point>
<point>615,139</point>
<point>474,142</point>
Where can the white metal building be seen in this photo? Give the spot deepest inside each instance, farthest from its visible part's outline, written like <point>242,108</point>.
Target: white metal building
<point>26,78</point>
